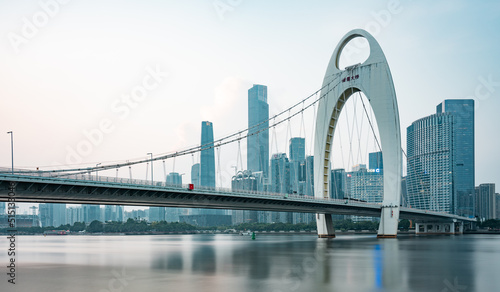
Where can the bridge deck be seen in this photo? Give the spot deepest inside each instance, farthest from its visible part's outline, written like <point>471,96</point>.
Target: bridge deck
<point>86,189</point>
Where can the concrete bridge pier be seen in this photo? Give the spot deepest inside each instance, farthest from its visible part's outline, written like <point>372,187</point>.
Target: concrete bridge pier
<point>324,224</point>
<point>447,228</point>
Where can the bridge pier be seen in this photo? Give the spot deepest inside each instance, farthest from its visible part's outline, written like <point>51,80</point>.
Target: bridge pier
<point>324,224</point>
<point>389,218</point>
<point>447,228</point>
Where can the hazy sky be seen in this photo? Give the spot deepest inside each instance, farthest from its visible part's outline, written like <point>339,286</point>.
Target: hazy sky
<point>67,69</point>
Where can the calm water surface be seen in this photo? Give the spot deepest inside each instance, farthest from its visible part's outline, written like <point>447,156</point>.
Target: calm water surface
<point>269,263</point>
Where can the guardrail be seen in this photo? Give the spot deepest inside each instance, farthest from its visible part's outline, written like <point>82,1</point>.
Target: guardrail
<point>163,185</point>
<point>184,187</point>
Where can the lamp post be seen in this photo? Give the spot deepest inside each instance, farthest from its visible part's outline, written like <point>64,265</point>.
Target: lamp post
<point>12,149</point>
<point>151,167</point>
<point>97,171</point>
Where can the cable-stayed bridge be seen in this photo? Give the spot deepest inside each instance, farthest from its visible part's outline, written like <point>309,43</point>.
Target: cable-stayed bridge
<point>372,77</point>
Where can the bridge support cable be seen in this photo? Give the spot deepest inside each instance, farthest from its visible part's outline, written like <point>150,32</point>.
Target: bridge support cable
<point>222,141</point>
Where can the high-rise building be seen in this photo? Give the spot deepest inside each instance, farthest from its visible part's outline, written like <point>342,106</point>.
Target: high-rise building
<point>375,160</point>
<point>74,214</point>
<point>207,156</point>
<point>174,178</point>
<point>297,165</point>
<point>258,144</point>
<point>463,153</point>
<point>280,183</point>
<point>280,174</point>
<point>441,159</point>
<point>244,180</point>
<point>309,188</point>
<point>91,213</point>
<point>156,214</point>
<point>172,214</point>
<point>429,177</point>
<point>195,174</point>
<point>486,201</point>
<point>338,183</point>
<point>297,149</point>
<point>113,213</point>
<point>497,205</point>
<point>365,184</point>
<point>52,214</point>
<point>207,170</point>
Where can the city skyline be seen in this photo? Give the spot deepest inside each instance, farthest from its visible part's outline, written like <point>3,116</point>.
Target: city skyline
<point>66,105</point>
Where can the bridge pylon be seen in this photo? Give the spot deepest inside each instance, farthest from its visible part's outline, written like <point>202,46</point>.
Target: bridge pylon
<point>374,79</point>
<point>325,226</point>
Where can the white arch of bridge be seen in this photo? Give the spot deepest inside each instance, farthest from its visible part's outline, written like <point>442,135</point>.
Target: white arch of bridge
<point>374,79</point>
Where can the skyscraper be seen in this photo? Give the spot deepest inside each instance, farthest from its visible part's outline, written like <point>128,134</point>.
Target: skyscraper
<point>309,189</point>
<point>297,165</point>
<point>244,180</point>
<point>207,165</point>
<point>195,174</point>
<point>375,160</point>
<point>207,156</point>
<point>486,201</point>
<point>174,178</point>
<point>280,183</point>
<point>429,178</point>
<point>52,214</point>
<point>258,144</point>
<point>156,214</point>
<point>463,153</point>
<point>441,159</point>
<point>172,214</point>
<point>338,184</point>
<point>91,213</point>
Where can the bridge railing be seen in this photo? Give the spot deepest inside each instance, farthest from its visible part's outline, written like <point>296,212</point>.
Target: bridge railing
<point>93,177</point>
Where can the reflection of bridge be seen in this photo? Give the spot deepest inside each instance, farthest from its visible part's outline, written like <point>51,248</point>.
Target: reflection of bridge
<point>372,77</point>
<point>88,189</point>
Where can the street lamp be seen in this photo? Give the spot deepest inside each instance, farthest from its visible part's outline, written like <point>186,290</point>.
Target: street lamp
<point>151,167</point>
<point>12,149</point>
<point>97,171</point>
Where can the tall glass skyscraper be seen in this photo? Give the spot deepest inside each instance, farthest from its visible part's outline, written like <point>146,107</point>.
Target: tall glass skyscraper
<point>207,156</point>
<point>207,164</point>
<point>463,153</point>
<point>297,165</point>
<point>258,144</point>
<point>430,163</point>
<point>441,159</point>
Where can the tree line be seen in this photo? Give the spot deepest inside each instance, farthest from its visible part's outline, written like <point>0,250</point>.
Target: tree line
<point>140,226</point>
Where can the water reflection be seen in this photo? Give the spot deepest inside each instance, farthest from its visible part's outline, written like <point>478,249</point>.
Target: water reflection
<point>204,260</point>
<point>252,261</point>
<point>269,263</point>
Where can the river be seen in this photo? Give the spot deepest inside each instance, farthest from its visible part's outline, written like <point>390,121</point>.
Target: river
<point>274,263</point>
